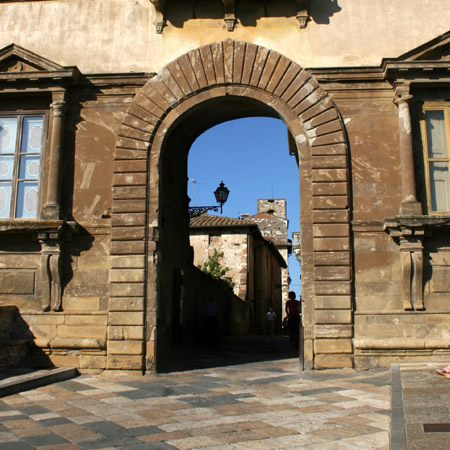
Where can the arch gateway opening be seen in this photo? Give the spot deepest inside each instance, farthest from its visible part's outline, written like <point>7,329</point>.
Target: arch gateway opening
<point>212,84</point>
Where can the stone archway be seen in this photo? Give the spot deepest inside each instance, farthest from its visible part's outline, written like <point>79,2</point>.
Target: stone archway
<point>282,88</point>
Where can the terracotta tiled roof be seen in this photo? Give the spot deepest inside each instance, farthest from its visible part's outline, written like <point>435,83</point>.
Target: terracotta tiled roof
<point>280,242</point>
<point>208,220</point>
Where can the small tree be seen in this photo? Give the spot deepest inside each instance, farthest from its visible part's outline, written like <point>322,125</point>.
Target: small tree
<point>216,270</point>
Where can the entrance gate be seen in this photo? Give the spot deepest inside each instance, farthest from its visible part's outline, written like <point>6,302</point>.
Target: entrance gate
<point>214,83</point>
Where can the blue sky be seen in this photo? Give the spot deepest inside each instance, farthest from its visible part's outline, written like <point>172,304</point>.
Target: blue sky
<point>251,157</point>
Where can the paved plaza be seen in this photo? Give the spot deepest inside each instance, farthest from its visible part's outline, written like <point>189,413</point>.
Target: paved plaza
<point>266,404</point>
<point>257,405</point>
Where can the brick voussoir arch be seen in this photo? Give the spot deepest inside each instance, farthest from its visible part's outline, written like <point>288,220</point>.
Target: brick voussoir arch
<point>227,63</point>
<point>242,69</point>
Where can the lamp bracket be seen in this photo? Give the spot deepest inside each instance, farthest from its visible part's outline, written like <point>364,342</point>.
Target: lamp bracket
<point>195,211</point>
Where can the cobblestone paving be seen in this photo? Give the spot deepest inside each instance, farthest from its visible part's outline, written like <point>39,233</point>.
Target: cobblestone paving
<point>266,405</point>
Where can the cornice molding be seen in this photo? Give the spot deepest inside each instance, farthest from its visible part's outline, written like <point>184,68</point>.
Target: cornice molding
<point>229,17</point>
<point>19,66</point>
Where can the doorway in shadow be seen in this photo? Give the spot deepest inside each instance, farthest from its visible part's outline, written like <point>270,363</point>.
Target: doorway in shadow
<point>231,350</point>
<point>257,165</point>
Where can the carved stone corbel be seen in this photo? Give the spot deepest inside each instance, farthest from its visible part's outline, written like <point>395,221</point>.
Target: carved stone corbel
<point>230,14</point>
<point>50,270</point>
<point>412,274</point>
<point>302,13</point>
<point>417,281</point>
<point>411,257</point>
<point>160,21</point>
<point>230,18</point>
<point>52,245</point>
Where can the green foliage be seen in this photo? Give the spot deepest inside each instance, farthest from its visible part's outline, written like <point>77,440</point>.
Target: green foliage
<point>214,269</point>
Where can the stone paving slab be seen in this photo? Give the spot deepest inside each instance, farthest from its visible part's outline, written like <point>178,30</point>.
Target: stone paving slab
<point>266,405</point>
<point>420,407</point>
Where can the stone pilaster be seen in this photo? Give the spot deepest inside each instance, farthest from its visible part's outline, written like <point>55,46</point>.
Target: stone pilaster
<point>126,347</point>
<point>52,205</point>
<point>333,311</point>
<point>409,205</point>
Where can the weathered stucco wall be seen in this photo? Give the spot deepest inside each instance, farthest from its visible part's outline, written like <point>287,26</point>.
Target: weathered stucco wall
<point>119,35</point>
<point>88,161</point>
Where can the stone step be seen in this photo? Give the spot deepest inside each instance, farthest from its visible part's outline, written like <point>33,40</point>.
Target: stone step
<point>20,380</point>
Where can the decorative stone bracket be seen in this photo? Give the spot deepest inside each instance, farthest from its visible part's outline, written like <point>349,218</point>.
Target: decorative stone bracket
<point>160,14</point>
<point>302,13</point>
<point>230,17</point>
<point>410,238</point>
<point>50,271</point>
<point>409,232</point>
<point>51,241</point>
<point>229,13</point>
<point>412,273</point>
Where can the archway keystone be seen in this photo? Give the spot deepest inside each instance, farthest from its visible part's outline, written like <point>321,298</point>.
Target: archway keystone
<point>239,70</point>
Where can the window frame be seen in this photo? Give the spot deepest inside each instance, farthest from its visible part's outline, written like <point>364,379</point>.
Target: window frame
<point>21,114</point>
<point>434,106</point>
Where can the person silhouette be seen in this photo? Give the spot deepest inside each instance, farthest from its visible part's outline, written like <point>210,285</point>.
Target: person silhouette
<point>271,317</point>
<point>293,315</point>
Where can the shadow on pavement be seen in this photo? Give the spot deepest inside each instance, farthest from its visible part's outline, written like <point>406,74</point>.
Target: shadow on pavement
<point>231,350</point>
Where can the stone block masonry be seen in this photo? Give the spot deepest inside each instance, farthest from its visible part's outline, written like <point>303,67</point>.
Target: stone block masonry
<point>248,71</point>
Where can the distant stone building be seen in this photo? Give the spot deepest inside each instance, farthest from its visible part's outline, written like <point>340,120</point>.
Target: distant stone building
<point>297,249</point>
<point>271,218</point>
<point>255,263</point>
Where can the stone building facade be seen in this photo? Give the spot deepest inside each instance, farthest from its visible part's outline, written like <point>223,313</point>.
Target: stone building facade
<point>271,218</point>
<point>100,103</point>
<point>255,264</point>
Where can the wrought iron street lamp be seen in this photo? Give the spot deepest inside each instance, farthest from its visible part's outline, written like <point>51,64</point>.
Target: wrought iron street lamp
<point>221,194</point>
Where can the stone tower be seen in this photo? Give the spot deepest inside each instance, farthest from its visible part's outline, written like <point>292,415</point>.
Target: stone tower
<point>275,206</point>
<point>272,221</point>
